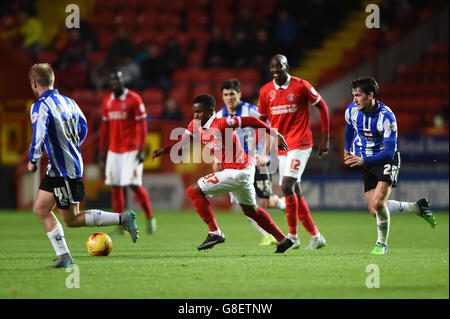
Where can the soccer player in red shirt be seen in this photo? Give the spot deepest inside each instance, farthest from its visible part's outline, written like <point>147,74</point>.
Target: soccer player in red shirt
<point>217,135</point>
<point>123,132</point>
<point>285,103</point>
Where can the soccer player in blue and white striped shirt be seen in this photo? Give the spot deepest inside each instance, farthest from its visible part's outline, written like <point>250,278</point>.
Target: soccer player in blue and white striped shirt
<point>234,106</point>
<point>371,131</point>
<point>60,128</point>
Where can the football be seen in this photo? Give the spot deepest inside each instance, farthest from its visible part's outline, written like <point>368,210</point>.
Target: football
<point>99,244</point>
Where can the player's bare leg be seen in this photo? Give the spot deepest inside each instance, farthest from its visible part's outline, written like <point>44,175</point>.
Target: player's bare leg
<point>421,208</point>
<point>118,206</point>
<point>287,187</point>
<point>44,205</point>
<point>203,208</point>
<point>143,199</point>
<point>72,217</point>
<point>263,219</point>
<point>377,204</point>
<point>304,215</point>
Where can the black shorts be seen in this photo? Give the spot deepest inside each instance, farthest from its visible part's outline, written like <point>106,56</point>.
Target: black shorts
<point>263,182</point>
<point>64,189</point>
<point>382,172</point>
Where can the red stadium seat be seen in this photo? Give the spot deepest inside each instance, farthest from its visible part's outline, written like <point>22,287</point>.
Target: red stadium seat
<point>222,75</point>
<point>222,5</point>
<point>200,36</point>
<point>197,19</point>
<point>125,19</point>
<point>102,94</point>
<point>155,109</point>
<point>147,19</point>
<point>195,59</point>
<point>128,5</point>
<point>180,94</point>
<point>153,5</point>
<point>103,19</point>
<point>181,77</point>
<point>175,6</point>
<point>197,4</point>
<point>248,90</point>
<point>169,20</point>
<point>249,75</point>
<point>106,5</point>
<point>202,88</point>
<point>350,58</point>
<point>152,96</point>
<point>224,19</point>
<point>105,40</point>
<point>96,58</point>
<point>47,56</point>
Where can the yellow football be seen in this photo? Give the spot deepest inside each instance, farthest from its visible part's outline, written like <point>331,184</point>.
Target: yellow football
<point>99,244</point>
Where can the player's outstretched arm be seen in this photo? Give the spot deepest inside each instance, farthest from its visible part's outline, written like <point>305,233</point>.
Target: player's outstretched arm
<point>157,153</point>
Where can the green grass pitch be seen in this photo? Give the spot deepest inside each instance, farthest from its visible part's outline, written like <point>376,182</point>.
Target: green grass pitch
<point>168,265</point>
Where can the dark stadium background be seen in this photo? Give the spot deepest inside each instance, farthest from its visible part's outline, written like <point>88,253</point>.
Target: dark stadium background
<point>171,51</point>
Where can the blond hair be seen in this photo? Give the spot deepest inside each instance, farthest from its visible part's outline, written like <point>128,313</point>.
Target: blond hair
<point>43,74</point>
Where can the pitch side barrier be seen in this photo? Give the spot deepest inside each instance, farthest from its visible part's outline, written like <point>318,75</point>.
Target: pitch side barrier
<point>346,192</point>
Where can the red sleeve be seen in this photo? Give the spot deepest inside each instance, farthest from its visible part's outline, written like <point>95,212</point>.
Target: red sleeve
<point>104,129</point>
<point>250,121</point>
<point>324,116</point>
<point>310,92</point>
<point>315,99</point>
<point>140,116</point>
<point>262,105</point>
<point>185,137</point>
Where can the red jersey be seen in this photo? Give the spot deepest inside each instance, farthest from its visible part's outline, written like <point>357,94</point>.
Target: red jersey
<point>224,144</point>
<point>124,123</point>
<point>218,135</point>
<point>287,109</point>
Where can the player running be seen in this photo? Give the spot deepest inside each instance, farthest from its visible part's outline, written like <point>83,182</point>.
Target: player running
<point>285,103</point>
<point>372,130</point>
<point>122,133</point>
<point>237,175</point>
<point>60,127</point>
<point>234,106</point>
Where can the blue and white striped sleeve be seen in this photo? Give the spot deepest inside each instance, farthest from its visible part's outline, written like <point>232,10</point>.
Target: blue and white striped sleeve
<point>253,111</point>
<point>39,120</point>
<point>389,141</point>
<point>82,124</point>
<point>349,131</point>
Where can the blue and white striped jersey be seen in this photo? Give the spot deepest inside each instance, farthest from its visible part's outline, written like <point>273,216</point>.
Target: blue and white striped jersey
<point>371,133</point>
<point>60,126</point>
<point>245,134</point>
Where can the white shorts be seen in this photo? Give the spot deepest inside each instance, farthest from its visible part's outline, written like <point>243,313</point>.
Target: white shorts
<point>123,169</point>
<point>293,164</point>
<point>239,183</point>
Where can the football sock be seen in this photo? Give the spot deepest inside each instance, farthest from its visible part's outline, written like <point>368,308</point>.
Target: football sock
<point>255,224</point>
<point>396,207</point>
<point>142,198</point>
<point>383,221</point>
<point>316,236</point>
<point>291,213</point>
<point>118,199</point>
<point>58,241</point>
<point>203,208</point>
<point>265,222</point>
<point>217,232</point>
<point>96,217</point>
<point>304,215</point>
